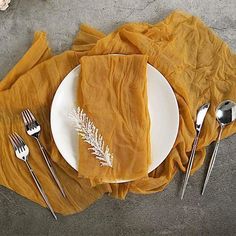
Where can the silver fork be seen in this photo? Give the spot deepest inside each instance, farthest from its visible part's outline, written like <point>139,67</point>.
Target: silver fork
<point>22,152</point>
<point>33,129</point>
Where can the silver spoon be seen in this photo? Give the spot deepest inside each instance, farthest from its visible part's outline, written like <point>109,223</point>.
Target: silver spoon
<point>225,114</point>
<point>202,111</point>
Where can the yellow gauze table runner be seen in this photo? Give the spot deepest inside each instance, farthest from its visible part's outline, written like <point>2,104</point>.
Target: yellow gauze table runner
<point>198,65</point>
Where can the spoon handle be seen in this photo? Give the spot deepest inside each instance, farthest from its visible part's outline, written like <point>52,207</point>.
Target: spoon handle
<point>190,164</point>
<point>212,161</point>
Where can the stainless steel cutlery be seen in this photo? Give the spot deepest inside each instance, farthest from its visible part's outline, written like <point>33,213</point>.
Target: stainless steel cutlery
<point>22,152</point>
<point>33,129</point>
<point>225,114</point>
<point>198,126</point>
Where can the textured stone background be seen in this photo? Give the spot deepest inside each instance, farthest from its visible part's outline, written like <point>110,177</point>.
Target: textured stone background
<point>157,214</point>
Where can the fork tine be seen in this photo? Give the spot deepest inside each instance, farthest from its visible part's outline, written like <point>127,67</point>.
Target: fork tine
<point>12,141</point>
<point>25,119</point>
<point>18,144</point>
<point>22,142</point>
<point>30,119</point>
<point>20,139</point>
<point>30,114</point>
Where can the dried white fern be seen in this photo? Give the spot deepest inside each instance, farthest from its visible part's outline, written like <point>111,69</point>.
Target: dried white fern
<point>90,135</point>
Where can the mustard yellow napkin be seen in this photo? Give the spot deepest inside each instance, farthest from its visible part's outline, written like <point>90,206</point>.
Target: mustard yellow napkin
<point>199,66</point>
<point>112,91</point>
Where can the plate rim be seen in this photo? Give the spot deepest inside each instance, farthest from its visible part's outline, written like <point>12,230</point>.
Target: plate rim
<point>175,132</point>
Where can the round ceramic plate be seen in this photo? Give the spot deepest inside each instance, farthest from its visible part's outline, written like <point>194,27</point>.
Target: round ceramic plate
<point>163,110</point>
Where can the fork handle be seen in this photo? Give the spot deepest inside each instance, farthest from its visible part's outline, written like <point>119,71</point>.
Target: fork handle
<point>50,167</point>
<point>40,189</point>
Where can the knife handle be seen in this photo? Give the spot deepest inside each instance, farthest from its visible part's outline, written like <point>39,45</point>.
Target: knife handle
<point>190,164</point>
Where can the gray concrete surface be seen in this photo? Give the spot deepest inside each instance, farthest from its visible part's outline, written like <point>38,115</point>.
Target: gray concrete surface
<point>156,214</point>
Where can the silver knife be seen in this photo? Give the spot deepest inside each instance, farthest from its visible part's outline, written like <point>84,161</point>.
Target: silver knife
<point>202,111</point>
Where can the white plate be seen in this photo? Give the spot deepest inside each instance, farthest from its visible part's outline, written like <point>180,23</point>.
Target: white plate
<point>163,110</point>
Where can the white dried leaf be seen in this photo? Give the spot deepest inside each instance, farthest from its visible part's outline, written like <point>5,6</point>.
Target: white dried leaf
<point>90,134</point>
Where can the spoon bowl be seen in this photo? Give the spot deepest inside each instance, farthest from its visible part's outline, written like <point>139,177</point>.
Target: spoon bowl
<point>226,112</point>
